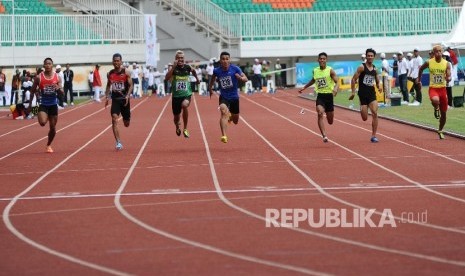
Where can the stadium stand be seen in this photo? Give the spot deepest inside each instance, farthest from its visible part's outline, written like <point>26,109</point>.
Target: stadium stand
<point>257,6</point>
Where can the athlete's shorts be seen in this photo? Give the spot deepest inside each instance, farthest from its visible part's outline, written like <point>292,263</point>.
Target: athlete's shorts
<point>366,97</point>
<point>176,104</point>
<point>442,94</point>
<point>326,100</point>
<point>118,107</point>
<point>51,110</point>
<point>233,105</point>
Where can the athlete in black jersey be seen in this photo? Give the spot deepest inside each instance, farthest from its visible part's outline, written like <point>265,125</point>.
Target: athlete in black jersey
<point>367,77</point>
<point>120,83</point>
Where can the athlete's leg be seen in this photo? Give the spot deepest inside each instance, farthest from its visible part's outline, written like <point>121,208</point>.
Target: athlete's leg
<point>42,117</point>
<point>374,115</point>
<point>114,124</point>
<point>185,112</point>
<point>364,112</point>
<point>52,122</point>
<point>224,118</point>
<point>320,110</point>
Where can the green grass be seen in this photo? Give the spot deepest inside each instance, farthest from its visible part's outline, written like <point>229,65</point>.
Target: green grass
<point>422,115</point>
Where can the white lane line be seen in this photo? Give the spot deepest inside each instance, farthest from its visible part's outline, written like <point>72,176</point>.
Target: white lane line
<point>385,136</point>
<point>309,232</point>
<point>368,159</point>
<point>45,137</point>
<point>119,206</point>
<point>35,120</point>
<point>351,187</point>
<point>9,225</point>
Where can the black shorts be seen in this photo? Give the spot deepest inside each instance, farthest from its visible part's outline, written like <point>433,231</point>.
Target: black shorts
<point>51,110</point>
<point>233,105</point>
<point>176,104</point>
<point>326,100</point>
<point>118,107</point>
<point>366,97</point>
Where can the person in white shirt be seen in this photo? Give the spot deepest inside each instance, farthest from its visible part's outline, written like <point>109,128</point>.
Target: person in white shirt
<point>61,104</point>
<point>145,80</point>
<point>417,61</point>
<point>402,71</point>
<point>135,80</point>
<point>385,74</point>
<point>257,76</point>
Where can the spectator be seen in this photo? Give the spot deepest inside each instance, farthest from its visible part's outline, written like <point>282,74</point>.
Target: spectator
<point>257,76</point>
<point>60,96</point>
<point>395,70</point>
<point>2,86</point>
<point>97,83</point>
<point>278,75</point>
<point>145,79</point>
<point>15,87</point>
<point>403,68</point>
<point>454,61</point>
<point>385,74</point>
<point>68,85</point>
<point>135,80</point>
<point>417,61</point>
<point>90,80</point>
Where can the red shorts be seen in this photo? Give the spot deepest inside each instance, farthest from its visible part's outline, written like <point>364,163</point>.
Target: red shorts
<point>441,93</point>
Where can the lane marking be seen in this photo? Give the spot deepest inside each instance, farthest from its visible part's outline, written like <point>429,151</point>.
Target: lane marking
<point>9,225</point>
<point>125,213</point>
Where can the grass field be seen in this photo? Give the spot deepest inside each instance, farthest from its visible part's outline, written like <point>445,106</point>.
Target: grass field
<point>422,114</point>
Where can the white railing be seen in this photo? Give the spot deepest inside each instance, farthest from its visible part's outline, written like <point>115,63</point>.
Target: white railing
<point>315,25</point>
<point>348,24</point>
<point>32,30</point>
<point>101,7</point>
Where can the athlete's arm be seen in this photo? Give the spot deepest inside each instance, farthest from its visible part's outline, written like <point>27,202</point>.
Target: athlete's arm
<point>107,90</point>
<point>310,83</point>
<point>131,85</point>
<point>448,72</point>
<point>210,85</point>
<point>333,75</point>
<point>354,81</point>
<point>420,71</point>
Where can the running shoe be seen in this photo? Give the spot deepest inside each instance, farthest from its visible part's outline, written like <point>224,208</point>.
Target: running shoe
<point>178,131</point>
<point>224,139</point>
<point>119,146</point>
<point>437,114</point>
<point>441,134</point>
<point>49,149</point>
<point>374,139</point>
<point>185,132</point>
<point>325,139</point>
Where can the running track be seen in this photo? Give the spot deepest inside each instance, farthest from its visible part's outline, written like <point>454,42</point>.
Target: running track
<point>166,205</point>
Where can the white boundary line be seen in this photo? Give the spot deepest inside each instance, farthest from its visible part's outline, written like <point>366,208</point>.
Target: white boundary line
<point>119,206</point>
<point>232,191</point>
<point>35,120</point>
<point>380,134</point>
<point>9,225</point>
<point>45,137</point>
<point>367,159</point>
<point>321,235</point>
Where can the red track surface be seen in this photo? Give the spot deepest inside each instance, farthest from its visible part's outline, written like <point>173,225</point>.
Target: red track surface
<point>166,205</point>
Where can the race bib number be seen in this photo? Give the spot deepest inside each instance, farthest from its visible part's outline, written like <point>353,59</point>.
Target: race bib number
<point>117,86</point>
<point>226,82</point>
<point>369,80</point>
<point>438,79</point>
<point>49,89</point>
<point>181,85</point>
<point>321,83</point>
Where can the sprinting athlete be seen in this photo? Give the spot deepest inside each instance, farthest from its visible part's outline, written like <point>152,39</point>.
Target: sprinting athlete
<point>46,87</point>
<point>439,76</point>
<point>326,88</point>
<point>181,91</point>
<point>119,83</point>
<point>367,77</point>
<point>228,76</point>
